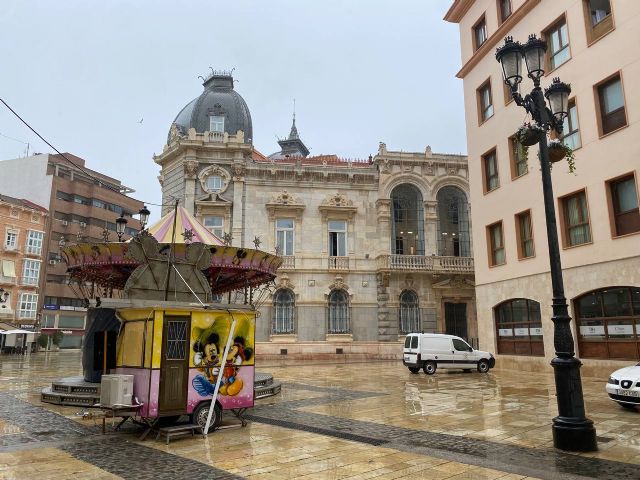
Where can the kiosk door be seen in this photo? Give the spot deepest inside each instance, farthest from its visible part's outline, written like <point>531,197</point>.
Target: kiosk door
<point>174,368</point>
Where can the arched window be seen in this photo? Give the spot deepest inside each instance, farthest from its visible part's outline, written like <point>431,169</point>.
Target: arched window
<point>409,312</point>
<point>519,327</point>
<point>338,312</point>
<point>453,223</point>
<point>608,322</point>
<point>284,310</point>
<point>407,233</point>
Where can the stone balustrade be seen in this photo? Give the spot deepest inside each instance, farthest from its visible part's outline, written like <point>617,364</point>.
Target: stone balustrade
<point>426,263</point>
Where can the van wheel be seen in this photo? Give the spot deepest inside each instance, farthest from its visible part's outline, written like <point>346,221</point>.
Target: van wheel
<point>483,366</point>
<point>414,369</point>
<point>429,368</point>
<point>199,416</point>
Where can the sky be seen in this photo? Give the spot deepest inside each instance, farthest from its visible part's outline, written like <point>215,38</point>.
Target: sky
<point>104,80</point>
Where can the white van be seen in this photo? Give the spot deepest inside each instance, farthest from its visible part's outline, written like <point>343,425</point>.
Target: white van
<point>431,351</point>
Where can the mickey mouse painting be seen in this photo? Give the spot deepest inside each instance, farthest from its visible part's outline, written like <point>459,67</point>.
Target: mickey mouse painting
<point>207,357</point>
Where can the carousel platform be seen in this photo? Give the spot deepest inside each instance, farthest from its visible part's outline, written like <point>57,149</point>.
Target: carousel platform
<point>74,391</point>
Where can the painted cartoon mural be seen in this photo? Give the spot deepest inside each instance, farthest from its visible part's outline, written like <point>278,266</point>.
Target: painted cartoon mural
<point>209,335</point>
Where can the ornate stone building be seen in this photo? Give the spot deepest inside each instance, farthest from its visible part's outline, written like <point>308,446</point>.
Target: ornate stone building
<point>373,248</point>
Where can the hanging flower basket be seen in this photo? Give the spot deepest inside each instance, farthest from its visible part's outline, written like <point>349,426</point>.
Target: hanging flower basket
<point>558,151</point>
<point>529,135</point>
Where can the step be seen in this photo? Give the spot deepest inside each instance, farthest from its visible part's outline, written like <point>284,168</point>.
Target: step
<point>48,395</point>
<point>268,390</point>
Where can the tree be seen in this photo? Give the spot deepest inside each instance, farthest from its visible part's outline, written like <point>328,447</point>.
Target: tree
<point>57,338</point>
<point>43,341</point>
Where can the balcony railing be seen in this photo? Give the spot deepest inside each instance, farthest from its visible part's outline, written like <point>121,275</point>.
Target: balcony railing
<point>8,280</point>
<point>288,262</point>
<point>424,263</point>
<point>29,281</point>
<point>36,251</point>
<point>338,263</point>
<point>10,249</point>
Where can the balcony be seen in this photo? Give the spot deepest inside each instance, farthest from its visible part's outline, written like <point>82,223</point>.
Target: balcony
<point>424,263</point>
<point>8,280</point>
<point>29,281</point>
<point>10,249</point>
<point>33,251</point>
<point>288,262</point>
<point>338,263</point>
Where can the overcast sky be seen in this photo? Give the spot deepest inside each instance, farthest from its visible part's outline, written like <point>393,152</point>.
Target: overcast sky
<point>84,73</point>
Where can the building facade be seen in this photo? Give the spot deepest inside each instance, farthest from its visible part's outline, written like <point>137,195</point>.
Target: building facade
<point>372,248</point>
<point>591,45</point>
<point>23,229</point>
<point>83,206</point>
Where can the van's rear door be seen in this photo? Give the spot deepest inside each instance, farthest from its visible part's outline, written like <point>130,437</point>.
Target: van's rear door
<point>410,353</point>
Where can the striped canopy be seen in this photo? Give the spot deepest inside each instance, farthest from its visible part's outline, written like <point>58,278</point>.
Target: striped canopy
<point>162,230</point>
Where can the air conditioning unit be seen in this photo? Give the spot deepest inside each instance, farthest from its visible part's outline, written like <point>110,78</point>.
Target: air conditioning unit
<point>52,262</point>
<point>64,223</point>
<point>83,225</point>
<point>116,390</point>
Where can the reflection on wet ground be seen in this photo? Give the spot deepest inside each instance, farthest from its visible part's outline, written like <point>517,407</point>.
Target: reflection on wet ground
<point>359,420</point>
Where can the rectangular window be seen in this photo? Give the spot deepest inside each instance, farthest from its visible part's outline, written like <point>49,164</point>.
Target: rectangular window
<point>34,242</point>
<point>524,234</point>
<point>11,240</point>
<point>518,158</point>
<point>611,103</point>
<point>28,305</point>
<point>479,33</point>
<point>214,183</point>
<point>557,38</point>
<point>30,272</point>
<point>599,18</point>
<point>485,102</point>
<point>624,202</point>
<point>576,219</point>
<point>496,244</point>
<point>284,236</point>
<point>216,123</point>
<point>215,225</point>
<point>571,128</point>
<point>490,171</point>
<point>337,238</point>
<point>504,10</point>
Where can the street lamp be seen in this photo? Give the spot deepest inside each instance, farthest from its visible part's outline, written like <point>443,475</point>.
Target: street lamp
<point>121,223</point>
<point>572,430</point>
<point>4,295</point>
<point>144,216</point>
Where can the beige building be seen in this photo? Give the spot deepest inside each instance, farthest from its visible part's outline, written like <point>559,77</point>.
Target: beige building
<point>592,44</point>
<point>372,248</point>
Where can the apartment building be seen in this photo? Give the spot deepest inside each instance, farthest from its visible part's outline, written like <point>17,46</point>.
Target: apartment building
<point>592,45</point>
<point>83,206</point>
<point>22,226</point>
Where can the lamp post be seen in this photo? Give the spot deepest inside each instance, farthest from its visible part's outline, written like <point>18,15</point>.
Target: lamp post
<point>144,216</point>
<point>4,295</point>
<point>121,223</point>
<point>571,429</point>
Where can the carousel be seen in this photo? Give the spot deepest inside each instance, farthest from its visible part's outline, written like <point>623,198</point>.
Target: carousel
<point>171,320</point>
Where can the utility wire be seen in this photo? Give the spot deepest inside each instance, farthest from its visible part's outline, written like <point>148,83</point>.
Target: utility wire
<point>105,185</point>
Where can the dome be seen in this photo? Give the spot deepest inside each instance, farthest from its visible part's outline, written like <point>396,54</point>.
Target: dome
<point>218,108</point>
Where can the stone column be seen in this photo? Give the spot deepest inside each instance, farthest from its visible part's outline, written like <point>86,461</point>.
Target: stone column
<point>383,207</point>
<point>385,333</point>
<point>430,227</point>
<point>190,179</point>
<point>238,204</point>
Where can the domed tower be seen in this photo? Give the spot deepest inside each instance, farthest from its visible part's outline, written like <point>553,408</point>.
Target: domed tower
<point>219,109</point>
<point>205,156</point>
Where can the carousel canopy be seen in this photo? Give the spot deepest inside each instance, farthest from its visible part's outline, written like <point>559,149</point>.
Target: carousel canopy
<point>162,230</point>
<point>142,265</point>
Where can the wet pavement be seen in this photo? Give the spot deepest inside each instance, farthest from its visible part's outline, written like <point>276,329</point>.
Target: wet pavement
<point>332,421</point>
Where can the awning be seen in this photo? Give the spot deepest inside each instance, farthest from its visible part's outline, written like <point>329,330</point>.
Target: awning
<point>12,332</point>
<point>9,268</point>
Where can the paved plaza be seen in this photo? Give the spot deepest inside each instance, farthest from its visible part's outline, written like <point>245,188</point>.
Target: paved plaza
<point>331,421</point>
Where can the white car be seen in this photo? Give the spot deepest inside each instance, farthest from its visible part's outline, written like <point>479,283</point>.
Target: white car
<point>624,386</point>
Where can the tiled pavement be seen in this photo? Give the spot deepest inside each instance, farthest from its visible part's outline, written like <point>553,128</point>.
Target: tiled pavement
<point>332,421</point>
